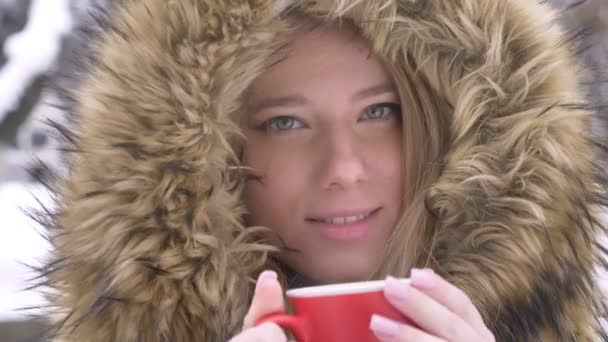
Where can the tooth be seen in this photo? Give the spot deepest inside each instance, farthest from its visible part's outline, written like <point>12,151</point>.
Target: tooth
<point>343,220</point>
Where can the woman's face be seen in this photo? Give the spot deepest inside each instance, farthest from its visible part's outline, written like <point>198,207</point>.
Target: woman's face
<point>324,133</point>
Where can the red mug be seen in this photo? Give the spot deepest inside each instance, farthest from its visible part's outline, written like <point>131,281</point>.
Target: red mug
<point>336,313</point>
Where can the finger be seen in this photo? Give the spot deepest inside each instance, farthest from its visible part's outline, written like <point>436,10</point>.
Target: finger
<point>447,295</point>
<point>267,332</point>
<point>427,313</point>
<point>267,299</point>
<point>387,330</point>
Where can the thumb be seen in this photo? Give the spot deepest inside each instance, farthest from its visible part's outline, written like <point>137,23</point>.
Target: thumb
<point>267,299</point>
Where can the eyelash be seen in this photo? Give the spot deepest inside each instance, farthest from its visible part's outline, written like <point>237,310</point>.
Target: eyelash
<point>394,108</point>
<point>270,124</point>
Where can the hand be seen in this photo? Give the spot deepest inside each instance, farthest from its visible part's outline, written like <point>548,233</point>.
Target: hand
<point>442,311</point>
<point>267,299</point>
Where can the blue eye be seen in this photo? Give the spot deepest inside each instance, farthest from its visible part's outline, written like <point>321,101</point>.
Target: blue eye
<point>382,111</point>
<point>282,123</point>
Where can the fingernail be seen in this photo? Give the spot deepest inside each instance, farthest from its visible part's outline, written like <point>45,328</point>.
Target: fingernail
<point>395,288</point>
<point>423,278</point>
<point>264,278</point>
<point>384,326</point>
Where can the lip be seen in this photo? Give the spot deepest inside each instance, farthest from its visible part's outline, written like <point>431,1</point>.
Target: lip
<point>346,231</point>
<point>342,213</point>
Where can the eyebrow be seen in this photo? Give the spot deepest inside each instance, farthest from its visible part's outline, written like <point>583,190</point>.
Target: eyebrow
<point>374,91</point>
<point>283,101</point>
<point>298,100</point>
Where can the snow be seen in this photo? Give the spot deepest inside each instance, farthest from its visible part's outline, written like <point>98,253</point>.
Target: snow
<point>20,244</point>
<point>34,50</point>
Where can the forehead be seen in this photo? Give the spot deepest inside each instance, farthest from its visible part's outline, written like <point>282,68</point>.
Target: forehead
<point>326,55</point>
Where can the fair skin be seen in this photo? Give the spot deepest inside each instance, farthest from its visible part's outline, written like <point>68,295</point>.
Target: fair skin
<point>442,312</point>
<point>324,134</point>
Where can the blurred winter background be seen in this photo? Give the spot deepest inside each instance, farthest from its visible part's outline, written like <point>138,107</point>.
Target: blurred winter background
<point>37,39</point>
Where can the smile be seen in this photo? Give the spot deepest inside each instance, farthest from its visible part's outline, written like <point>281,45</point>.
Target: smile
<point>344,219</point>
<point>345,226</point>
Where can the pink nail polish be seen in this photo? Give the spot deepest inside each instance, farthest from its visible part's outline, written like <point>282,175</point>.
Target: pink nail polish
<point>384,326</point>
<point>395,288</point>
<point>265,277</point>
<point>422,278</point>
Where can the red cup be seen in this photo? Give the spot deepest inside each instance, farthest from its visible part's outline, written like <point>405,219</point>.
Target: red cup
<point>339,312</point>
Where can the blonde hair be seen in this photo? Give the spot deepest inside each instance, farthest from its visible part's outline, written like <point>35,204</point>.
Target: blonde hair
<point>425,142</point>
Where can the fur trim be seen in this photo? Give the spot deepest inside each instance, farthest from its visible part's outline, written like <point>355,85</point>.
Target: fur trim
<point>148,239</point>
<point>281,5</point>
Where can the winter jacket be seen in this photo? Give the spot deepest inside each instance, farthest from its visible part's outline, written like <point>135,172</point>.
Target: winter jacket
<point>148,237</point>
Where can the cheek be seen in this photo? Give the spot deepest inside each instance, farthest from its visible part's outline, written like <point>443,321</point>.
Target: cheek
<point>395,158</point>
<point>386,144</point>
<point>387,163</point>
<point>276,198</point>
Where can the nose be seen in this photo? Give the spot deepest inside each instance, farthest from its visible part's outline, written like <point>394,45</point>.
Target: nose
<point>343,165</point>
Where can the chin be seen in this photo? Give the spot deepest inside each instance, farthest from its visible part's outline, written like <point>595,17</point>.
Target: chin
<point>341,273</point>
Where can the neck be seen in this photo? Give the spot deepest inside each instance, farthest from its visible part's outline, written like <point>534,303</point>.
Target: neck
<point>295,279</point>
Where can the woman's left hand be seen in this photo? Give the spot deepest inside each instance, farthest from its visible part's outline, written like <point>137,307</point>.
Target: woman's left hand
<point>442,311</point>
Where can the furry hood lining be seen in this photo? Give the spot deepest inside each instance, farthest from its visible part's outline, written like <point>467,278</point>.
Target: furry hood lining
<point>148,237</point>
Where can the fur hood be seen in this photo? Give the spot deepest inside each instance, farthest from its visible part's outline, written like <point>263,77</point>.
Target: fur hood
<point>147,232</point>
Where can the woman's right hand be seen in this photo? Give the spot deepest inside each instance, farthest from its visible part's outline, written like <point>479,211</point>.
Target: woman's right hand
<point>267,299</point>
